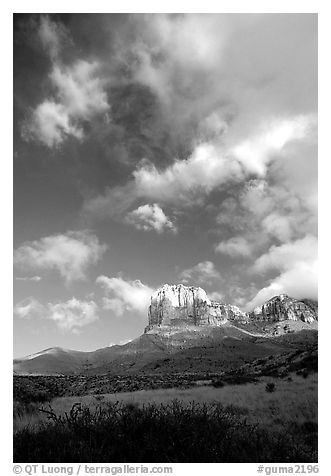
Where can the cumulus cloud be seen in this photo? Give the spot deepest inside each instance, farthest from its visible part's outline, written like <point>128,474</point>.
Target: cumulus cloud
<point>69,254</point>
<point>79,94</point>
<point>150,217</point>
<point>234,247</point>
<point>79,89</point>
<point>183,183</point>
<point>257,151</point>
<point>279,226</point>
<point>29,308</point>
<point>202,273</point>
<point>240,109</point>
<point>263,213</point>
<point>68,316</point>
<point>185,180</point>
<point>285,256</point>
<point>299,282</point>
<point>213,165</point>
<point>241,63</point>
<point>296,263</point>
<point>125,295</point>
<point>73,314</point>
<point>50,123</point>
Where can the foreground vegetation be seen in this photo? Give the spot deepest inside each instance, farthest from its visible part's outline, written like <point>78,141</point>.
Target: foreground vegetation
<point>172,432</point>
<point>266,411</point>
<point>232,423</point>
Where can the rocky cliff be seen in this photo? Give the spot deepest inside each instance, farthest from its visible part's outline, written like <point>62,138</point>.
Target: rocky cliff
<point>179,305</point>
<point>283,307</point>
<point>173,305</point>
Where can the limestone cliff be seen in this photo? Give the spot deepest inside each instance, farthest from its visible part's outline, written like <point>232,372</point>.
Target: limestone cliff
<point>282,307</point>
<point>173,305</point>
<point>178,305</point>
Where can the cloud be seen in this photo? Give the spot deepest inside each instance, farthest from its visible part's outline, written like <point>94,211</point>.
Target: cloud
<point>79,89</point>
<point>236,68</point>
<point>69,254</point>
<point>184,183</point>
<point>257,151</point>
<point>172,37</point>
<point>234,102</point>
<point>50,123</point>
<point>185,180</point>
<point>202,273</point>
<point>125,295</point>
<point>298,282</point>
<point>297,263</point>
<point>285,256</point>
<point>73,314</point>
<point>79,94</point>
<point>234,247</point>
<point>262,213</point>
<point>150,217</point>
<point>256,197</point>
<point>214,165</point>
<point>216,296</point>
<point>52,36</point>
<point>68,316</point>
<point>234,119</point>
<point>29,308</point>
<point>279,226</point>
<point>29,278</point>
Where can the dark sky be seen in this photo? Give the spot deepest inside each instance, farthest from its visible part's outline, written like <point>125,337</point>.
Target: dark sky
<point>159,148</point>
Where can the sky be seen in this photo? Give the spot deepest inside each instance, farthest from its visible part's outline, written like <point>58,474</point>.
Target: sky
<point>152,149</point>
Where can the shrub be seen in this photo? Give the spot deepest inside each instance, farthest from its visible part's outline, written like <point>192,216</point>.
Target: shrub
<point>159,433</point>
<point>270,387</point>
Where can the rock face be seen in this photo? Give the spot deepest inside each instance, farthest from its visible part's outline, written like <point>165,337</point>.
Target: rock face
<point>176,305</point>
<point>282,307</point>
<point>179,305</point>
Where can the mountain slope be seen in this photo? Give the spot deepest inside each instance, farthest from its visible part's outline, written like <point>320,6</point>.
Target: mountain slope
<point>188,332</point>
<point>179,349</point>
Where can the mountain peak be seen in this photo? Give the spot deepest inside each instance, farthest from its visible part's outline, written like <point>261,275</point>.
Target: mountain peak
<point>283,307</point>
<point>178,305</point>
<point>181,305</point>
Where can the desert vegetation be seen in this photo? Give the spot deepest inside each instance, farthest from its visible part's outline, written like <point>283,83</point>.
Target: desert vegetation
<point>265,410</point>
<point>172,432</point>
<point>202,423</point>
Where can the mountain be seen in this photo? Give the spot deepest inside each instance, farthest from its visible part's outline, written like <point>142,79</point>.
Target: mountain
<point>187,332</point>
<point>178,304</point>
<point>282,307</point>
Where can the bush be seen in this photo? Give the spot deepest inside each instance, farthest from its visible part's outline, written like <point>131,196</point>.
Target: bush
<point>174,433</point>
<point>270,387</point>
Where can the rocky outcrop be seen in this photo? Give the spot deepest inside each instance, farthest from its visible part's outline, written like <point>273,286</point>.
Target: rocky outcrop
<point>312,304</point>
<point>282,307</point>
<point>177,305</point>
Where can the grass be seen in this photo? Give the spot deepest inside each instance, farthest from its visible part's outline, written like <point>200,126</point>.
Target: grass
<point>292,400</point>
<point>172,432</point>
<point>265,411</point>
<point>200,424</point>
